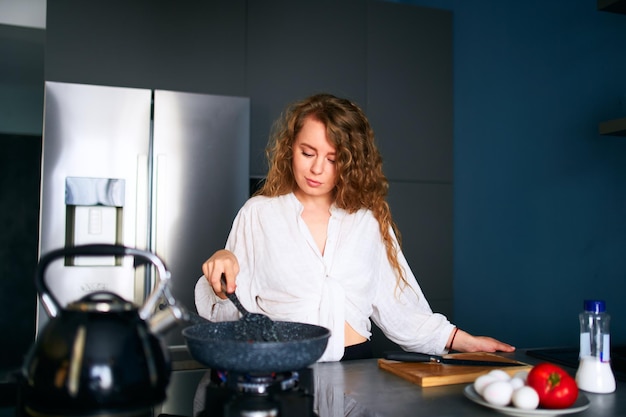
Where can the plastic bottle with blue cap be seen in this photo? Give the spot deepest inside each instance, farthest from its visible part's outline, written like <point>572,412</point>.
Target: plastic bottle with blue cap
<point>594,370</point>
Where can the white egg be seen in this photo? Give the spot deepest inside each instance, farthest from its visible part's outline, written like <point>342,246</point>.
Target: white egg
<point>523,375</point>
<point>482,381</point>
<point>517,382</point>
<point>500,374</point>
<point>498,393</point>
<point>526,398</point>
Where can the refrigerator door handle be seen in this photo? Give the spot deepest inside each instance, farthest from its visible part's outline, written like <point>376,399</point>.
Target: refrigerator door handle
<point>142,237</point>
<point>143,284</point>
<point>161,207</point>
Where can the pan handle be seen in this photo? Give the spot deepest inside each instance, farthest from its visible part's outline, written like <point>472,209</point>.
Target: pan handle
<point>52,304</point>
<point>195,318</point>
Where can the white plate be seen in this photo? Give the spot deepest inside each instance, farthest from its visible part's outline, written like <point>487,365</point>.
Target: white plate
<point>582,403</point>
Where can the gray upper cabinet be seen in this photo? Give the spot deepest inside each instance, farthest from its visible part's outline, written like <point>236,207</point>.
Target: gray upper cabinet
<point>409,90</point>
<point>296,49</point>
<point>395,60</point>
<point>148,44</point>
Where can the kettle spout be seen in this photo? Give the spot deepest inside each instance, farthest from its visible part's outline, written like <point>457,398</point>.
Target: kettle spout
<point>168,315</point>
<point>165,319</point>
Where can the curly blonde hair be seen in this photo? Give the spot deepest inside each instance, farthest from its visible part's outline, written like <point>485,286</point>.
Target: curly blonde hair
<point>360,179</point>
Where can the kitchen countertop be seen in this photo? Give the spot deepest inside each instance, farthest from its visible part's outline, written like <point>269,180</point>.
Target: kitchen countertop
<point>363,389</point>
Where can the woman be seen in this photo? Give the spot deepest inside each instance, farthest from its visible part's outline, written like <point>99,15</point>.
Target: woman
<point>317,243</point>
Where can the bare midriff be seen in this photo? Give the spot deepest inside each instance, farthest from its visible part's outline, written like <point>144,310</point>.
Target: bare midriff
<point>351,337</point>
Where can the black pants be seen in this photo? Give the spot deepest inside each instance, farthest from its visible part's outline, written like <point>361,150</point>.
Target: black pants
<point>358,351</point>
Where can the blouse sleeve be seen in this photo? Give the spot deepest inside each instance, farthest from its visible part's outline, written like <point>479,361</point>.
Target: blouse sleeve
<point>210,306</point>
<point>404,315</point>
<point>207,303</point>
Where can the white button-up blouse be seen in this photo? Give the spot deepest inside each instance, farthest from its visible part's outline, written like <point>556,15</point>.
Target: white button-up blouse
<point>284,275</point>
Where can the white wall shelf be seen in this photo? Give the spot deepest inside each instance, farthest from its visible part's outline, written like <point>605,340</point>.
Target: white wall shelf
<point>613,6</point>
<point>615,127</point>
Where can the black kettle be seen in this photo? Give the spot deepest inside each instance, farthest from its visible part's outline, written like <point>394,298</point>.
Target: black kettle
<point>98,355</point>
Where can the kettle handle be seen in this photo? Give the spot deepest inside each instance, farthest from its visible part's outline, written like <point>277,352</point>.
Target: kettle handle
<point>140,257</point>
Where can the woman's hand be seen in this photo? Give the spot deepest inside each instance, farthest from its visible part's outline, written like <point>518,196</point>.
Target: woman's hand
<point>222,262</point>
<point>465,342</point>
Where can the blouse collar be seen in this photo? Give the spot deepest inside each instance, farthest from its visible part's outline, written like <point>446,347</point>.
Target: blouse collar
<point>334,210</point>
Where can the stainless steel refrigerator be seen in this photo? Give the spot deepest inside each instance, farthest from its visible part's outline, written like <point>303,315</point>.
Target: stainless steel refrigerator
<point>158,170</point>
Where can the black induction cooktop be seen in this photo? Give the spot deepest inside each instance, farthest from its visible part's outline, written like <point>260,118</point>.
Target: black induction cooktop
<point>568,356</point>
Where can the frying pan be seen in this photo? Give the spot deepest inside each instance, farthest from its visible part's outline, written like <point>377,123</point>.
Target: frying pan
<point>219,345</point>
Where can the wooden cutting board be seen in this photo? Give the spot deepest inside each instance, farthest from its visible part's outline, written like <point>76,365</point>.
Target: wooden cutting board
<point>434,374</point>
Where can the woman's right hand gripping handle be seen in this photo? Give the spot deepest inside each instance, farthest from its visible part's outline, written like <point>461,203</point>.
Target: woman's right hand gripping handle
<point>221,262</point>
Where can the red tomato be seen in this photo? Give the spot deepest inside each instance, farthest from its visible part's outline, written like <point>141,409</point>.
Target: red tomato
<point>556,388</point>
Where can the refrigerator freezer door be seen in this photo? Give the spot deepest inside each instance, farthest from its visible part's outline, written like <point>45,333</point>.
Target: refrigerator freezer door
<point>201,179</point>
<point>91,132</point>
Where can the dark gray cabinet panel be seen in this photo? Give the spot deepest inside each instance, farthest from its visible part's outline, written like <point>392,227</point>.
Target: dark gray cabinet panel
<point>296,49</point>
<point>197,47</point>
<point>410,105</point>
<point>409,89</point>
<point>424,215</point>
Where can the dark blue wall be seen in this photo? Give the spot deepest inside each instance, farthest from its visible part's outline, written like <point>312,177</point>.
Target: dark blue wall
<point>539,195</point>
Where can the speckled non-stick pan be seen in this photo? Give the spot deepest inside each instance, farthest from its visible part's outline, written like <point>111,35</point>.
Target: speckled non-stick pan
<point>220,346</point>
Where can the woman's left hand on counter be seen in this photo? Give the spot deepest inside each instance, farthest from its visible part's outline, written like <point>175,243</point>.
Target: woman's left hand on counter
<point>465,342</point>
